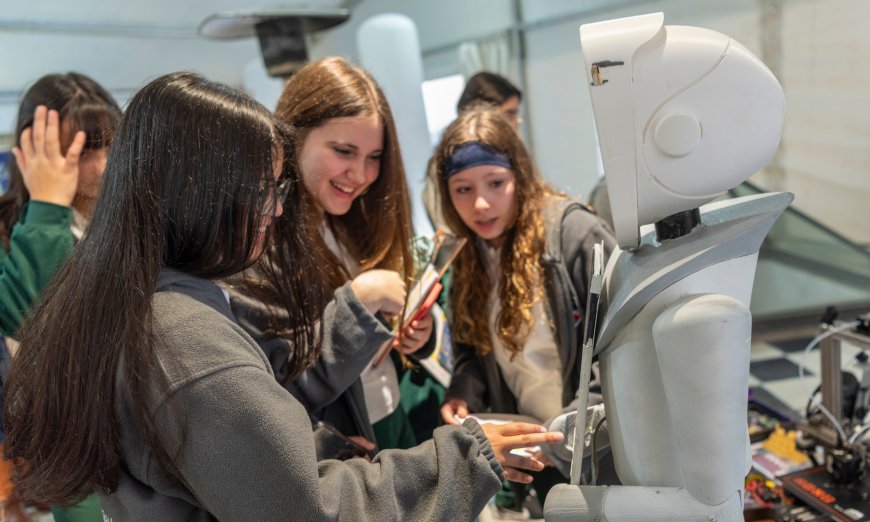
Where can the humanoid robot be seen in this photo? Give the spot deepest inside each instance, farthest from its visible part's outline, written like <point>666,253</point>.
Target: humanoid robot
<point>683,114</point>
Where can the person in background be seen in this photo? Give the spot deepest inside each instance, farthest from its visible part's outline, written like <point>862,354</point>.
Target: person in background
<point>494,90</point>
<point>81,104</point>
<point>171,411</point>
<point>519,287</point>
<point>64,126</point>
<point>358,214</point>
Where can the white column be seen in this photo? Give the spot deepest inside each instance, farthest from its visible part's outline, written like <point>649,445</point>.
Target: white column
<point>389,49</point>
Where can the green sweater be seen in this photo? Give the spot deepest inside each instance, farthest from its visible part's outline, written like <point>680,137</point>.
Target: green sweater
<point>39,244</point>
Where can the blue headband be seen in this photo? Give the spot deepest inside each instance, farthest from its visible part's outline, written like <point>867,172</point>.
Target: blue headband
<point>473,154</point>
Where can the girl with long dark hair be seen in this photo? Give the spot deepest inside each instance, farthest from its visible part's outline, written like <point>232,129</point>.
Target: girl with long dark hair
<point>65,124</point>
<point>135,380</point>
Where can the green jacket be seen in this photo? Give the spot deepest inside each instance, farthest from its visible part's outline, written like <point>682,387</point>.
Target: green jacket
<point>39,244</point>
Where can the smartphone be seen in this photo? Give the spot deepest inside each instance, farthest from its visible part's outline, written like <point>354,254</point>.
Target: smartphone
<point>329,443</point>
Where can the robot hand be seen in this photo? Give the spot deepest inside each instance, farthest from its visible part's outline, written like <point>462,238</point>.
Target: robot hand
<point>561,454</point>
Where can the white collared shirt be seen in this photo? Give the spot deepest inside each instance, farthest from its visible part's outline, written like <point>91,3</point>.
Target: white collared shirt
<point>534,375</point>
<point>381,384</point>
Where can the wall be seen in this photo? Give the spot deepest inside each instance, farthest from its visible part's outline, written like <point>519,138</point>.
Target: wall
<point>561,123</point>
<point>441,23</point>
<point>826,144</point>
<point>816,47</point>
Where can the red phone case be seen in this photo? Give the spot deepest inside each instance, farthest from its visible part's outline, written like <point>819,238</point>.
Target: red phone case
<point>427,304</point>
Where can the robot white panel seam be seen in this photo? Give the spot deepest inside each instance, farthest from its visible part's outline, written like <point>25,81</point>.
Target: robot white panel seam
<point>685,88</point>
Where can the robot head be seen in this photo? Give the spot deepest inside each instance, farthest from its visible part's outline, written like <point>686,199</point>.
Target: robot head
<point>683,114</point>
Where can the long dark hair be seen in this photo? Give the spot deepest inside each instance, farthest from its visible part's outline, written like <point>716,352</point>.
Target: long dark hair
<point>188,177</point>
<point>83,105</point>
<point>377,229</point>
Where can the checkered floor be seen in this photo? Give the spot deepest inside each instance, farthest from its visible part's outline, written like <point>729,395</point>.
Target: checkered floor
<point>774,367</point>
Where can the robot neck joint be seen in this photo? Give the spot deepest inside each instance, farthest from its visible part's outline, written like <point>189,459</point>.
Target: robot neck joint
<point>678,225</point>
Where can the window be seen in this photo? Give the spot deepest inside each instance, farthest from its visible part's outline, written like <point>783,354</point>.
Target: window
<point>439,98</point>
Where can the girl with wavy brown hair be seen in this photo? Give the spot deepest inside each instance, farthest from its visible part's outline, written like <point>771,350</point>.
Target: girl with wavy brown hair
<point>359,218</point>
<point>519,288</point>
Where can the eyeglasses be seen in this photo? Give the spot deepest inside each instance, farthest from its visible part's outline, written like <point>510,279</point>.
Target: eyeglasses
<point>283,189</point>
<point>279,194</point>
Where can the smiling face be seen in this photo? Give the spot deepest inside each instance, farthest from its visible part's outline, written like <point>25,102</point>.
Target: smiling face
<point>340,160</point>
<point>485,199</point>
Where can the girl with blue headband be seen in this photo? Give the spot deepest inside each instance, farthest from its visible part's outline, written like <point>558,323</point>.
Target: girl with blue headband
<point>519,288</point>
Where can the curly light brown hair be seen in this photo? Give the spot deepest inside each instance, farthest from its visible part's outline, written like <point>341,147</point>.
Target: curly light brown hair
<point>521,274</point>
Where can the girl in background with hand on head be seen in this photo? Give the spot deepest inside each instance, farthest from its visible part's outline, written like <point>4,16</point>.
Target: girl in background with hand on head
<point>65,123</point>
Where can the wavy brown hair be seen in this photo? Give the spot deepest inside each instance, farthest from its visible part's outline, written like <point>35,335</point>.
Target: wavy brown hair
<point>377,229</point>
<point>521,272</point>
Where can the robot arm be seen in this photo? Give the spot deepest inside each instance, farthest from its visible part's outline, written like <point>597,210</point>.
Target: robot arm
<point>702,343</point>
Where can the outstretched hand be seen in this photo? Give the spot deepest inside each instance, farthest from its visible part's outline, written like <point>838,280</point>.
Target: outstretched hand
<point>453,408</point>
<point>506,437</point>
<point>49,175</point>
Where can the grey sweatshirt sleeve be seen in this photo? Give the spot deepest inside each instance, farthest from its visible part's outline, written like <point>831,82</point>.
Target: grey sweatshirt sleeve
<point>249,455</point>
<point>352,336</point>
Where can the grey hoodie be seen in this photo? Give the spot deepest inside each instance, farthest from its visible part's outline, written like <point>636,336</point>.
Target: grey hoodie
<point>249,451</point>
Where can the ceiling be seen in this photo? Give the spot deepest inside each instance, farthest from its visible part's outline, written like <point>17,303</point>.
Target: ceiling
<point>121,44</point>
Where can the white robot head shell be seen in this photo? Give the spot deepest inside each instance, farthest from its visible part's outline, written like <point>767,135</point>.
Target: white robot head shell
<point>683,114</point>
